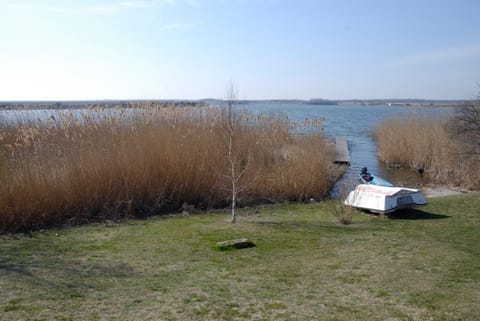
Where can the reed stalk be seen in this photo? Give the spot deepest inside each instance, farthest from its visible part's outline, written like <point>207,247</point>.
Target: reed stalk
<point>425,144</point>
<point>99,164</point>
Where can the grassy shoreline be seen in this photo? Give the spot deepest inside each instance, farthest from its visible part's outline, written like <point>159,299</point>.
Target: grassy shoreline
<point>417,265</point>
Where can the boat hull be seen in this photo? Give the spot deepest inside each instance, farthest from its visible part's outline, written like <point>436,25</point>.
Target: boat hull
<point>375,181</point>
<point>384,199</point>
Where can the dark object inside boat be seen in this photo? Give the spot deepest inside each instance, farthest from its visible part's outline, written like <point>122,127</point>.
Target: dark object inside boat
<point>366,175</point>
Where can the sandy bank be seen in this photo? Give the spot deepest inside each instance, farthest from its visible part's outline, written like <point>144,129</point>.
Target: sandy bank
<point>438,191</point>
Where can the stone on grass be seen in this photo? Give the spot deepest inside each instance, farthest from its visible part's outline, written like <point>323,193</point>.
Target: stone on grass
<point>234,244</point>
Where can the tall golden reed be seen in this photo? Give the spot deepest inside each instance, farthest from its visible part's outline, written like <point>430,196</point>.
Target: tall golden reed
<point>422,142</point>
<point>143,161</point>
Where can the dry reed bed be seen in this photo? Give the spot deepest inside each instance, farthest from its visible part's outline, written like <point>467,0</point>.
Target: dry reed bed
<point>99,165</point>
<point>422,142</point>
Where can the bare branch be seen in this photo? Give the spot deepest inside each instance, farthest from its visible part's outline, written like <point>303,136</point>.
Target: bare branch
<point>465,127</point>
<point>231,124</point>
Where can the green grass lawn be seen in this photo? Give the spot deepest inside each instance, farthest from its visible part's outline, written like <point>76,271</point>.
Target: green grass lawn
<point>418,265</point>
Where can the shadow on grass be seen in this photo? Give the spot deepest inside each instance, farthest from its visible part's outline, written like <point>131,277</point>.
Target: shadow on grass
<point>14,268</point>
<point>415,214</point>
<point>64,278</point>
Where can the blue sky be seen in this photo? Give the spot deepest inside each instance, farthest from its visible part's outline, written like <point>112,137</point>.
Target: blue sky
<point>270,49</point>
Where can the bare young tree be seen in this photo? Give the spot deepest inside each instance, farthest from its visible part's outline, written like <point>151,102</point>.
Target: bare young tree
<point>236,167</point>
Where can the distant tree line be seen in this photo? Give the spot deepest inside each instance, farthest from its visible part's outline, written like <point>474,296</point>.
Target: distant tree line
<point>97,104</point>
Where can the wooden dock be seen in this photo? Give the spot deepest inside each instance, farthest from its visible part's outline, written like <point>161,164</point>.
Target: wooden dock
<point>342,152</point>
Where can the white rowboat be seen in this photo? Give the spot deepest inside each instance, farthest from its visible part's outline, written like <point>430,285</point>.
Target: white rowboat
<point>384,199</point>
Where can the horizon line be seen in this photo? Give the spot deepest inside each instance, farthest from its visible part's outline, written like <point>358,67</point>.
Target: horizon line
<point>238,99</point>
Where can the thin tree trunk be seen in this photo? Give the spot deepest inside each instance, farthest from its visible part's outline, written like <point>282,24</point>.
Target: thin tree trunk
<point>233,177</point>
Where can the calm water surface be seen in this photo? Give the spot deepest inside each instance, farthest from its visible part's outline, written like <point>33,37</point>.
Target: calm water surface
<point>356,123</point>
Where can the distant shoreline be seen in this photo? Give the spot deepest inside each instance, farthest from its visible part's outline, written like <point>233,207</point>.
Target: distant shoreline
<point>83,104</point>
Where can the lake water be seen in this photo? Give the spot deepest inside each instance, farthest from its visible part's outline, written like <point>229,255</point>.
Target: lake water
<point>356,123</point>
